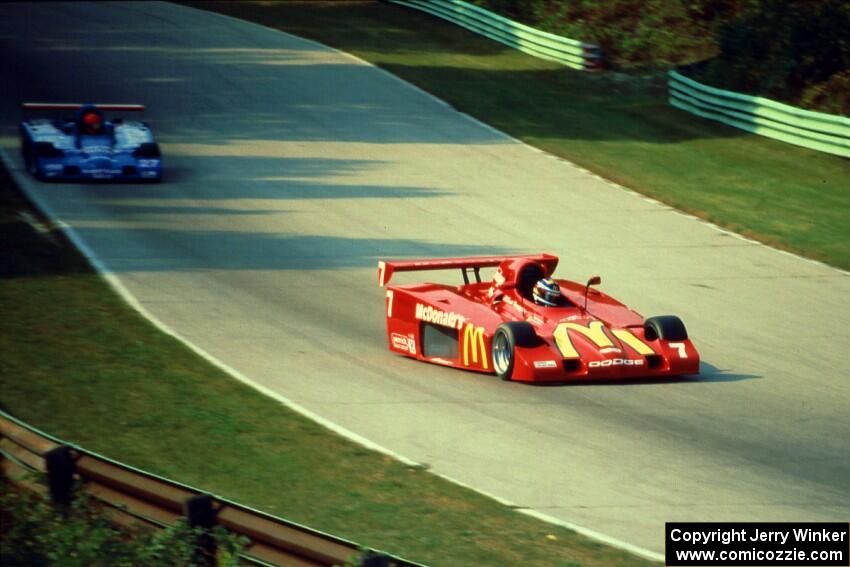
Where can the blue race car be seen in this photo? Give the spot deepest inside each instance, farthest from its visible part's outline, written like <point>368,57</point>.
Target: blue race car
<point>88,146</point>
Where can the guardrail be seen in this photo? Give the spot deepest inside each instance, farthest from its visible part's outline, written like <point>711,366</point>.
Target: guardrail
<point>138,496</point>
<point>814,130</point>
<point>545,45</point>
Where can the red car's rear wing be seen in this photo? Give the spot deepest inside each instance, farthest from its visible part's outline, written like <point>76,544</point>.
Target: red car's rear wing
<point>386,269</point>
<point>77,106</point>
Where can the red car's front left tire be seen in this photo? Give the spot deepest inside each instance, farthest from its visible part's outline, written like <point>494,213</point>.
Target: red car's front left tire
<point>503,347</point>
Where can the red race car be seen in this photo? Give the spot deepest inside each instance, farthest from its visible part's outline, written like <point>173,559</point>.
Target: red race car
<point>523,325</point>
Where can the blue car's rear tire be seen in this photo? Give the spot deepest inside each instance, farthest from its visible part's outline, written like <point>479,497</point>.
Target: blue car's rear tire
<point>32,167</point>
<point>26,153</point>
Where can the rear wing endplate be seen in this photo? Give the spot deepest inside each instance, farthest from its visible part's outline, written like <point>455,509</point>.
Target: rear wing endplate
<point>386,269</point>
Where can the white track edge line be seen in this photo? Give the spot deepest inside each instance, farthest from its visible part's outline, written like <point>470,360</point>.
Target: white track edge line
<point>592,534</point>
<point>118,287</point>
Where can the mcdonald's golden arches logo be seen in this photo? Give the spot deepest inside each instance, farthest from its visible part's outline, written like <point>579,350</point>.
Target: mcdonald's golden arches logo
<point>473,340</point>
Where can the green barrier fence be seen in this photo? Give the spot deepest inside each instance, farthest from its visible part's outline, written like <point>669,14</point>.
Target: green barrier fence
<point>544,45</point>
<point>814,130</point>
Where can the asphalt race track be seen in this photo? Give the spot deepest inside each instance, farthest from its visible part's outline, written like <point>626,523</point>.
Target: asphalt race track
<point>291,168</point>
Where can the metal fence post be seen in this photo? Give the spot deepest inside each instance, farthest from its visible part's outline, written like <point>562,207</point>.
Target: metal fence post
<point>60,466</point>
<point>375,559</point>
<point>200,513</point>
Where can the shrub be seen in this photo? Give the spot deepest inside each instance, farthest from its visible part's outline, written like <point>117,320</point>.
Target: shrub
<point>34,532</point>
<point>792,50</point>
<point>633,34</point>
<point>796,51</point>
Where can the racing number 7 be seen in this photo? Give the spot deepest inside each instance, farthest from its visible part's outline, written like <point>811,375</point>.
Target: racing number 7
<point>680,347</point>
<point>389,303</point>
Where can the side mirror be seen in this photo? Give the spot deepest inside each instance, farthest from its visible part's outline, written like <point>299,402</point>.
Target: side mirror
<point>594,280</point>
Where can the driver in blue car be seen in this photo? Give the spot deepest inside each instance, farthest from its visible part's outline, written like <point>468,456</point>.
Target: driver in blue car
<point>92,124</point>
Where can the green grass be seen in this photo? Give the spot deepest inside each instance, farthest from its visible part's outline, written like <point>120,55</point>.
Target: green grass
<point>619,126</point>
<point>78,363</point>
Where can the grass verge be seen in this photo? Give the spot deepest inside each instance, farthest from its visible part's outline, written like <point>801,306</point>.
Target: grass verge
<point>80,364</point>
<point>616,125</point>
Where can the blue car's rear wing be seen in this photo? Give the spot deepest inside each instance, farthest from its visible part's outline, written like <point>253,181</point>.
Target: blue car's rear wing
<point>78,106</point>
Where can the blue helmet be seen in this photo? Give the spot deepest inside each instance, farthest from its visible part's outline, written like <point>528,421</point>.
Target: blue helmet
<point>546,292</point>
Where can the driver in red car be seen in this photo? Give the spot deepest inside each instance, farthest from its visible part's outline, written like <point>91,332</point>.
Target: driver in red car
<point>547,293</point>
